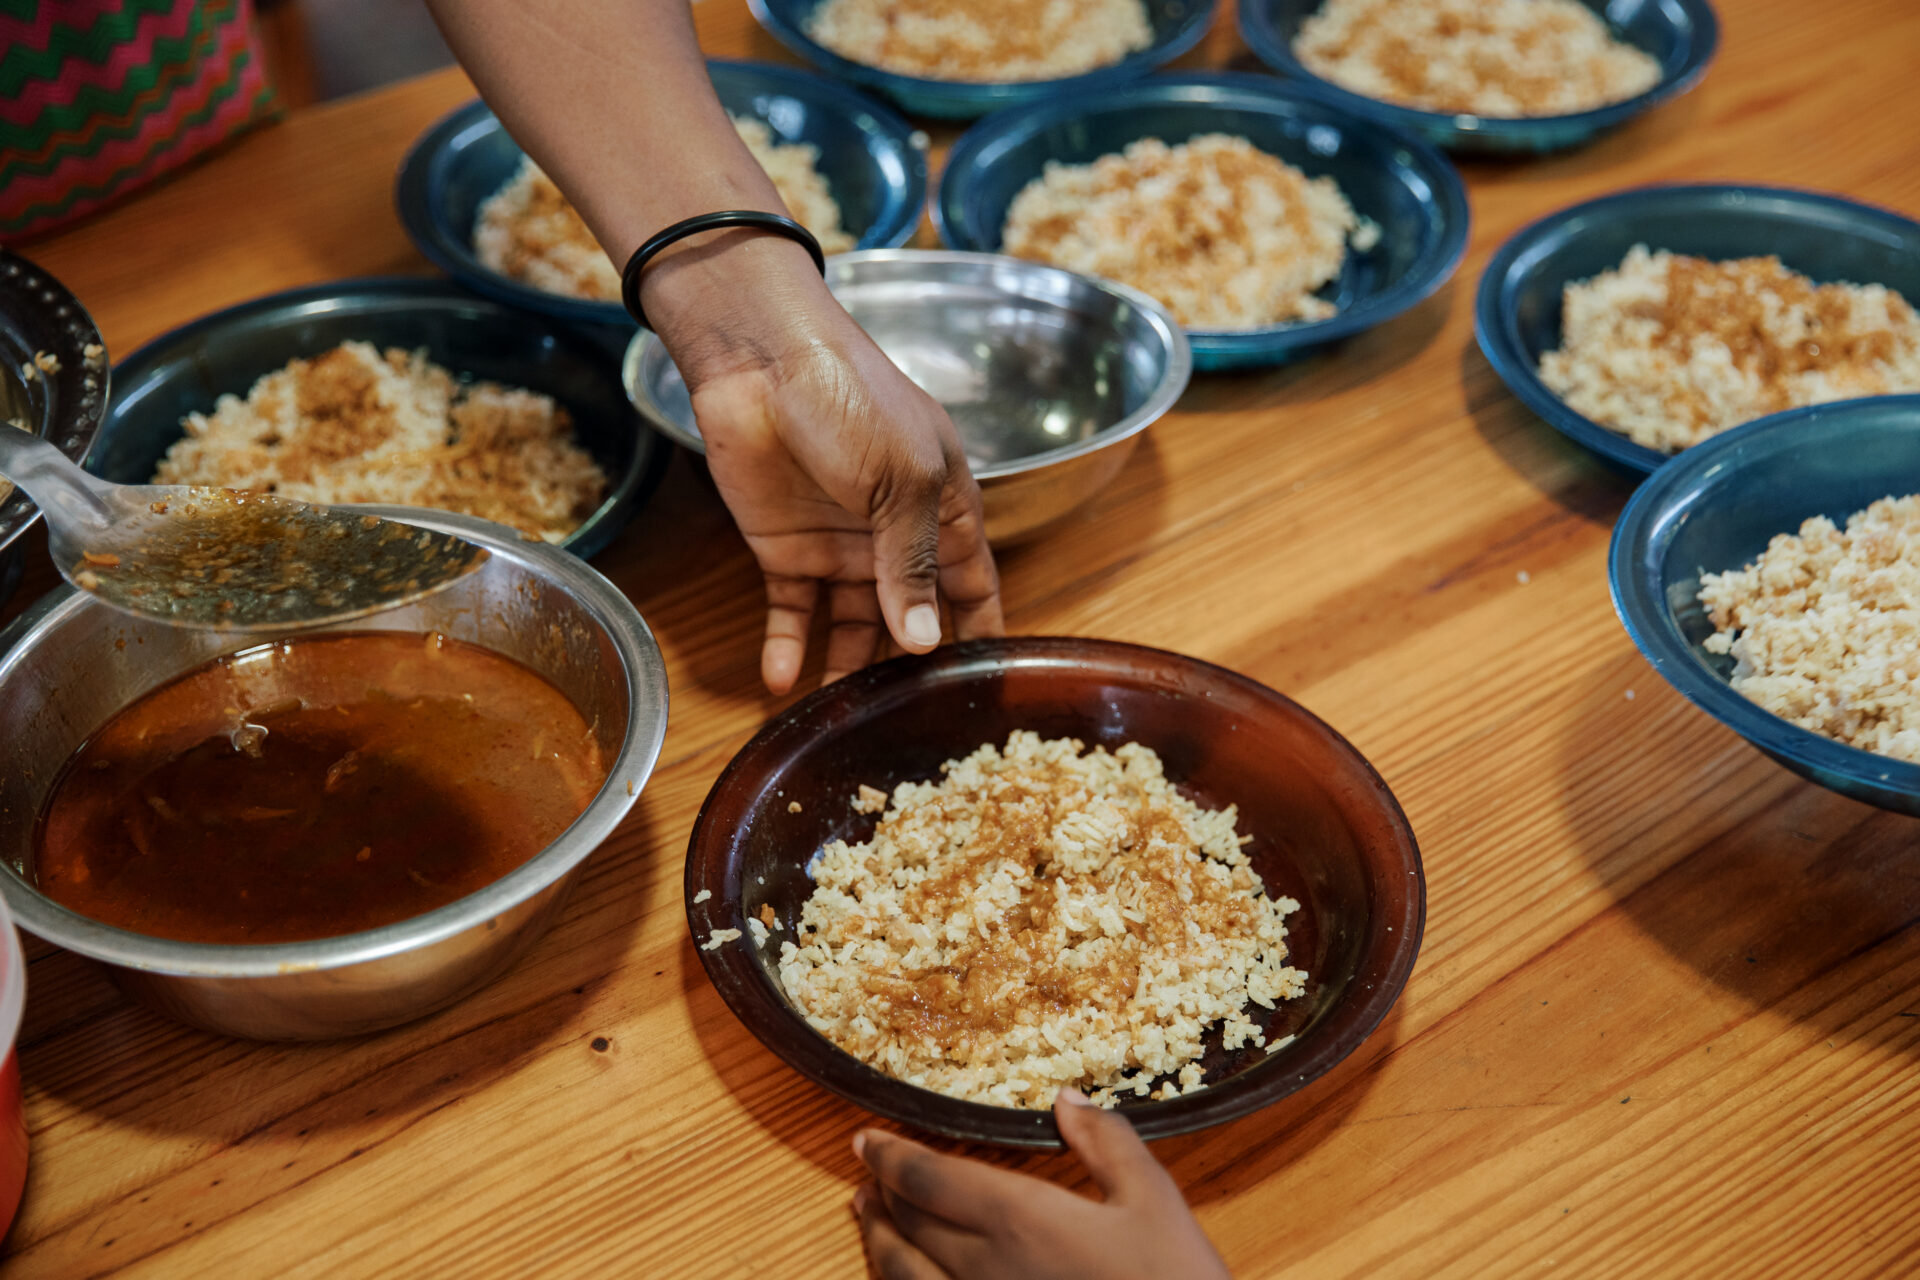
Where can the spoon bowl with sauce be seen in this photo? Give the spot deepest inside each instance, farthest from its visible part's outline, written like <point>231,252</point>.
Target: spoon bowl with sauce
<point>220,558</point>
<point>322,836</point>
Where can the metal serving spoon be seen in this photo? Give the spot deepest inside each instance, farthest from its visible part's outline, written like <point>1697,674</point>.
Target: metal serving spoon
<point>219,558</point>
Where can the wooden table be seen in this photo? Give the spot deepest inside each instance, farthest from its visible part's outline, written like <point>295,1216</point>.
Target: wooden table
<point>1667,1018</point>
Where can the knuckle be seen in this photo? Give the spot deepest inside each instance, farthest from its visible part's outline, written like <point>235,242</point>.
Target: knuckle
<point>917,1179</point>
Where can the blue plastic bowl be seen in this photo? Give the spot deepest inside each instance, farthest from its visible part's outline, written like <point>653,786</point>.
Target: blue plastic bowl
<point>1517,311</point>
<point>867,156</point>
<point>1680,33</point>
<point>1178,25</point>
<point>1714,508</point>
<point>186,370</point>
<point>1404,185</point>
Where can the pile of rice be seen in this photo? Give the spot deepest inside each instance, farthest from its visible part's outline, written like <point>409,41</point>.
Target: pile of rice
<point>352,425</point>
<point>1039,918</point>
<point>1223,234</point>
<point>1671,349</point>
<point>1825,627</point>
<point>993,41</point>
<point>528,231</point>
<point>1504,58</point>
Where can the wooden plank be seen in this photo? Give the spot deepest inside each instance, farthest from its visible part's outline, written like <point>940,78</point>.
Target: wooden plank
<point>1665,1019</point>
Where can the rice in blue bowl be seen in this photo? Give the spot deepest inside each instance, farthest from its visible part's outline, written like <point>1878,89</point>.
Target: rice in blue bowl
<point>1679,35</point>
<point>1405,190</point>
<point>1716,507</point>
<point>874,167</point>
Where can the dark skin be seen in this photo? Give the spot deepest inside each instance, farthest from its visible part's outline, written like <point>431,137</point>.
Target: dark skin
<point>852,491</point>
<point>927,1216</point>
<point>847,480</point>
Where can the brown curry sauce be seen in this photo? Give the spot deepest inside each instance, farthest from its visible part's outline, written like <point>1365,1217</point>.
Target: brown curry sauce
<point>315,787</point>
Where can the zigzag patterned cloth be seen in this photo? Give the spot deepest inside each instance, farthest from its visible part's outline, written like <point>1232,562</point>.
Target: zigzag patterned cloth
<point>100,97</point>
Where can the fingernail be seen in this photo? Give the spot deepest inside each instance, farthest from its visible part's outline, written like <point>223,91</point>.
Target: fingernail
<point>1073,1098</point>
<point>860,1144</point>
<point>923,625</point>
<point>860,1197</point>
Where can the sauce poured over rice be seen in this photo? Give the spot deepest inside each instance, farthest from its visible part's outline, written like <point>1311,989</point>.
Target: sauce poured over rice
<point>1040,918</point>
<point>983,41</point>
<point>1497,58</point>
<point>1221,233</point>
<point>1670,349</point>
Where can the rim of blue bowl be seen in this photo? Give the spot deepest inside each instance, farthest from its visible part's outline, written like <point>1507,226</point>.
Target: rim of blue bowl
<point>963,99</point>
<point>626,492</point>
<point>1275,341</point>
<point>1638,584</point>
<point>1495,326</point>
<point>417,198</point>
<point>1264,40</point>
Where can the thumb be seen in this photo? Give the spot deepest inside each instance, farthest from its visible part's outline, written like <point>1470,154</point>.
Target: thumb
<point>1112,1152</point>
<point>906,556</point>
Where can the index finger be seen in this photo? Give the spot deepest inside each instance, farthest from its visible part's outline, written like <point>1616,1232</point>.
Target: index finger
<point>964,1192</point>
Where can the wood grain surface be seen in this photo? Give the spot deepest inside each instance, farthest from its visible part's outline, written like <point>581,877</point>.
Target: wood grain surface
<point>1667,1018</point>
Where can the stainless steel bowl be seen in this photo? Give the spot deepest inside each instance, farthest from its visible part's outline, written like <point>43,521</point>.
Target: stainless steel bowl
<point>69,663</point>
<point>1050,376</point>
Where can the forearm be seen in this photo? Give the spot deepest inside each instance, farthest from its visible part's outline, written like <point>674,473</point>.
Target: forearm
<point>611,98</point>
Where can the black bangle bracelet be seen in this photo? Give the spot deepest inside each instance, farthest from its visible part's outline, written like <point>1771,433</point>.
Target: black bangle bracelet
<point>758,220</point>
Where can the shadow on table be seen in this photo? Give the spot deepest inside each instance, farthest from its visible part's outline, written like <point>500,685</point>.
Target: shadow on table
<point>1216,1162</point>
<point>1330,370</point>
<point>135,1069</point>
<point>1791,884</point>
<point>1551,463</point>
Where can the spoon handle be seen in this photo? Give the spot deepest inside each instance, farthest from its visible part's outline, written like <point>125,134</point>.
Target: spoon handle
<point>56,484</point>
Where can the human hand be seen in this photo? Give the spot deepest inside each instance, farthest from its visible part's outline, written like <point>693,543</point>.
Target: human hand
<point>844,477</point>
<point>928,1216</point>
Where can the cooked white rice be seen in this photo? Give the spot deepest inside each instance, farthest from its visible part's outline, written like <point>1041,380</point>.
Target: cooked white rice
<point>1223,234</point>
<point>1502,58</point>
<point>1671,349</point>
<point>997,41</point>
<point>1825,627</point>
<point>528,230</point>
<point>1040,918</point>
<point>351,425</point>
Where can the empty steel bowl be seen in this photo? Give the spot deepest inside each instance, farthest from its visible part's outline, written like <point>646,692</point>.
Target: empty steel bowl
<point>1325,831</point>
<point>1049,376</point>
<point>69,663</point>
<point>62,402</point>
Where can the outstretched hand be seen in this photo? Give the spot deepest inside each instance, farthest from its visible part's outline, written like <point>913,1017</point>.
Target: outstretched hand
<point>928,1216</point>
<point>848,479</point>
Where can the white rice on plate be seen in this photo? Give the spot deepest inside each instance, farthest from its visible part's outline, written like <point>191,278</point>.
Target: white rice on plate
<point>1039,918</point>
<point>1824,627</point>
<point>1496,58</point>
<point>529,232</point>
<point>1669,349</point>
<point>355,425</point>
<point>1221,233</point>
<point>983,41</point>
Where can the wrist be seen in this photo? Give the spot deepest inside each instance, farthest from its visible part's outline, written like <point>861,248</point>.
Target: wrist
<point>734,301</point>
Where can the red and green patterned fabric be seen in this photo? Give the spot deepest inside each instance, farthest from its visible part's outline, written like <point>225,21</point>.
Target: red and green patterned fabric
<point>100,97</point>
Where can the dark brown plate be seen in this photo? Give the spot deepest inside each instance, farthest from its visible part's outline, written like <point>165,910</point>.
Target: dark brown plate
<point>1325,829</point>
